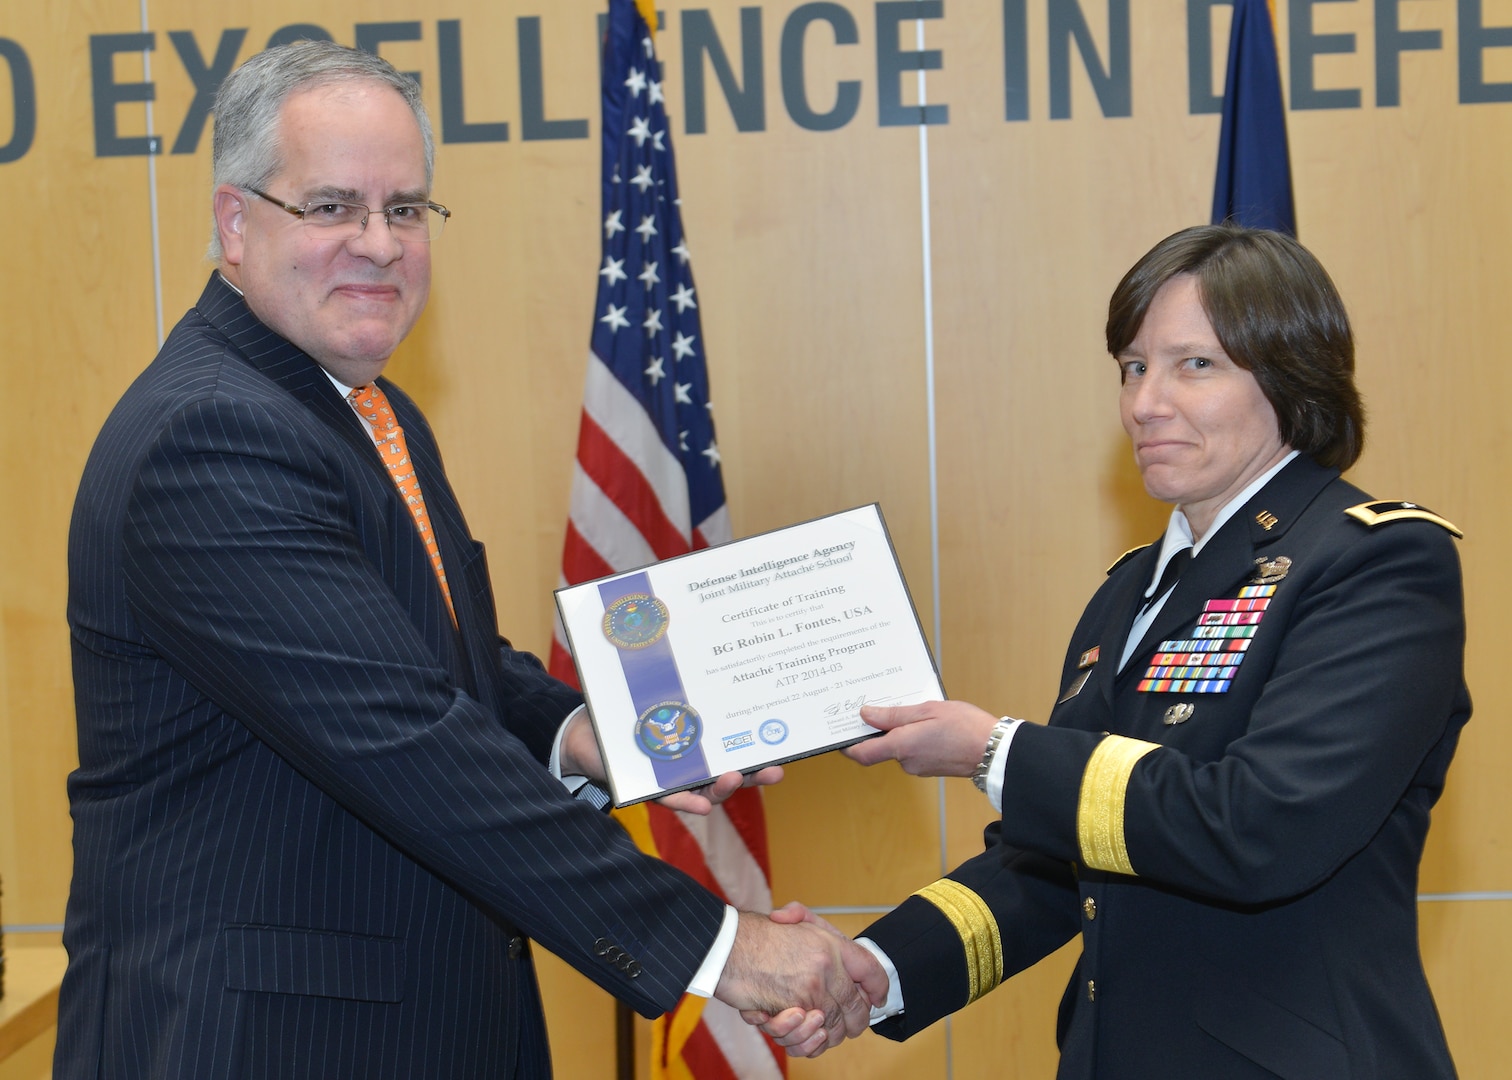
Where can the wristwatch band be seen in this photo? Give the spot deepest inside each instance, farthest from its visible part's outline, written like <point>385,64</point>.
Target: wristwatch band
<point>994,740</point>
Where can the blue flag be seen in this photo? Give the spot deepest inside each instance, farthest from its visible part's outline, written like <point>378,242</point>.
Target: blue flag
<point>1253,186</point>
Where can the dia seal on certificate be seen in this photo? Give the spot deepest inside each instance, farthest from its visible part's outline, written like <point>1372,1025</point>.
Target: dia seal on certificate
<point>753,653</point>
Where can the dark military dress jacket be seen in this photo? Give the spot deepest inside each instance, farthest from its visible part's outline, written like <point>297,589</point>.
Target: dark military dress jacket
<point>1234,821</point>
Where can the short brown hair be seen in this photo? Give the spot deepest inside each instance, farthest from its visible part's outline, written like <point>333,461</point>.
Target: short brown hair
<point>1276,313</point>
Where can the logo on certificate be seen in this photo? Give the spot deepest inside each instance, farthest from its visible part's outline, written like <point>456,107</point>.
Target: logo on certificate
<point>668,731</point>
<point>741,740</point>
<point>635,621</point>
<point>772,732</point>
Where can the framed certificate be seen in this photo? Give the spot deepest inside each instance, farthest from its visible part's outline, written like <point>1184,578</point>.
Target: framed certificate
<point>749,654</point>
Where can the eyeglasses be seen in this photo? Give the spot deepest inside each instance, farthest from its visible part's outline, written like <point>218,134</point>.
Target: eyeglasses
<point>411,223</point>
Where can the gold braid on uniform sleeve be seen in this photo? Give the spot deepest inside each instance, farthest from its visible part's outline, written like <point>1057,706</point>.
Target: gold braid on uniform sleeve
<point>980,940</point>
<point>1100,810</point>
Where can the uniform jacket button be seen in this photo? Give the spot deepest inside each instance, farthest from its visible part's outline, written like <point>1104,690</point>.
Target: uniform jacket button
<point>1091,990</point>
<point>1089,908</point>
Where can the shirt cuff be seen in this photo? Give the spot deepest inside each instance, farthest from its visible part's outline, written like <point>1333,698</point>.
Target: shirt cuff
<point>706,978</point>
<point>572,783</point>
<point>894,1003</point>
<point>579,787</point>
<point>999,765</point>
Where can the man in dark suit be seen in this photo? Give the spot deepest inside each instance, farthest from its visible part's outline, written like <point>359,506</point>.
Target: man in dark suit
<point>1230,799</point>
<point>314,820</point>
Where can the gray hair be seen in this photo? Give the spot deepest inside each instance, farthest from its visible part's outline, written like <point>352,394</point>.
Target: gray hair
<point>246,151</point>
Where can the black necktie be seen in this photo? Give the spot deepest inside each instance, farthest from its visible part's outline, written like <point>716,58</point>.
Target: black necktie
<point>1168,576</point>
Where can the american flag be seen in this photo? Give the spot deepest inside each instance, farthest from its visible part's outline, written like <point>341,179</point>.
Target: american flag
<point>648,486</point>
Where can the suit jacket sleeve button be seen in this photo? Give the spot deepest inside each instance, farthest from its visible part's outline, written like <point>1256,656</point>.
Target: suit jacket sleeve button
<point>601,946</point>
<point>516,946</point>
<point>633,968</point>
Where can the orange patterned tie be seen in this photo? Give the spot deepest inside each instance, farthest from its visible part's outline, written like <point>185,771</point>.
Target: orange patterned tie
<point>372,405</point>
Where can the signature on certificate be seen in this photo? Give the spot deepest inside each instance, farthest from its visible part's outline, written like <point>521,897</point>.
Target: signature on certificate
<point>848,706</point>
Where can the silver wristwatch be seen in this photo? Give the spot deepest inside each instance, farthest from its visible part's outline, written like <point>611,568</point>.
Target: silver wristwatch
<point>994,740</point>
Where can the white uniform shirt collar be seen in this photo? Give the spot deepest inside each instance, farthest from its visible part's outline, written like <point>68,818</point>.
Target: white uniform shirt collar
<point>1178,535</point>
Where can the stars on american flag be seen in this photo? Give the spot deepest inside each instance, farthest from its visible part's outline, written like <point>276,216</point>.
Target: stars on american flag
<point>648,325</point>
<point>615,318</point>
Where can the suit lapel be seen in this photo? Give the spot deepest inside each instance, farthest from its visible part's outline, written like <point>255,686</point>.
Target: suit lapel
<point>452,534</point>
<point>285,363</point>
<point>294,371</point>
<point>1136,576</point>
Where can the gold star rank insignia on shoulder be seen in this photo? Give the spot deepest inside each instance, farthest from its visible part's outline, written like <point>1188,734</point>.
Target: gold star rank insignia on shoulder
<point>1374,514</point>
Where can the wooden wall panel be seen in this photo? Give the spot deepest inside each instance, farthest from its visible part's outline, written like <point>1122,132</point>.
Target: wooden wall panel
<point>77,297</point>
<point>33,1061</point>
<point>808,257</point>
<point>1467,946</point>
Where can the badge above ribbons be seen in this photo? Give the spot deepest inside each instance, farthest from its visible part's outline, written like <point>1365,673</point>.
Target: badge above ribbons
<point>1207,661</point>
<point>667,729</point>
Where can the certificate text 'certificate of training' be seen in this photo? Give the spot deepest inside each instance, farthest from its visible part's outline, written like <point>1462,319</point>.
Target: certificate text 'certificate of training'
<point>749,654</point>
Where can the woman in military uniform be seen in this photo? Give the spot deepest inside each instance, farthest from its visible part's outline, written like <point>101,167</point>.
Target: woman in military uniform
<point>1230,798</point>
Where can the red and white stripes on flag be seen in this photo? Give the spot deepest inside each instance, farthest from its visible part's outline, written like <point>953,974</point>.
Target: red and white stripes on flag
<point>648,486</point>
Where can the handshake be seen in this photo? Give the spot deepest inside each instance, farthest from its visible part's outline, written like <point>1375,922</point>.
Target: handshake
<point>795,976</point>
<point>802,981</point>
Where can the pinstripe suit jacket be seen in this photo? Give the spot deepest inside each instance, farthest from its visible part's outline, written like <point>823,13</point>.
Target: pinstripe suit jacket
<point>312,825</point>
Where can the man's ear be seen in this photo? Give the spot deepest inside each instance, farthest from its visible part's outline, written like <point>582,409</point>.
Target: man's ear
<point>229,204</point>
